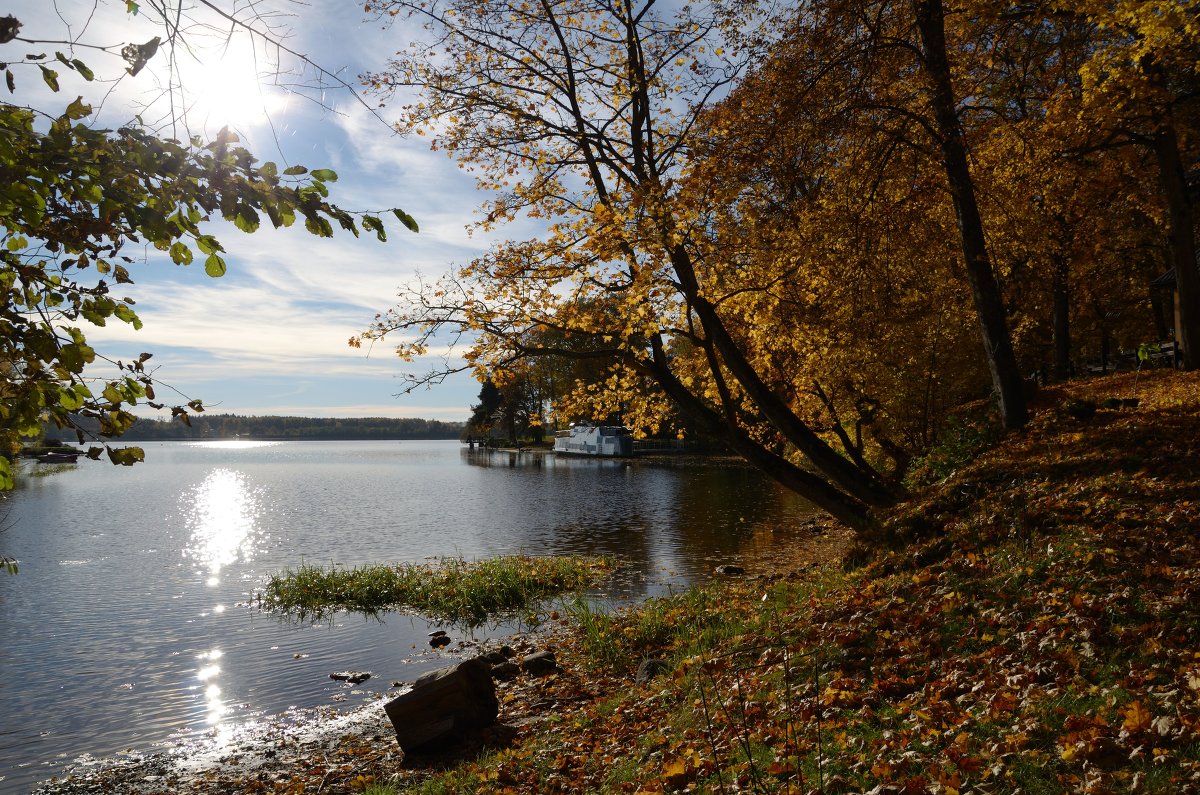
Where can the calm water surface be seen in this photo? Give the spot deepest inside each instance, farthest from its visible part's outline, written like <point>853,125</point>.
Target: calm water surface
<point>128,624</point>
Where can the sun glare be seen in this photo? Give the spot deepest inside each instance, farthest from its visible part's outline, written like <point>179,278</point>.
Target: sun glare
<point>232,85</point>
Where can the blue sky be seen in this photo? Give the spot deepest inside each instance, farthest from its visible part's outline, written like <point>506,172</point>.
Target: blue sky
<point>270,337</point>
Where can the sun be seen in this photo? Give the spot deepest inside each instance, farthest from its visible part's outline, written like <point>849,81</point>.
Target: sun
<point>232,84</point>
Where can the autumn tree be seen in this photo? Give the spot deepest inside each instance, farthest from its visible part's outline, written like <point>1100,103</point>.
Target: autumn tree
<point>1072,186</point>
<point>845,249</point>
<point>886,69</point>
<point>1069,224</point>
<point>1139,89</point>
<point>826,169</point>
<point>825,173</point>
<point>821,181</point>
<point>581,113</point>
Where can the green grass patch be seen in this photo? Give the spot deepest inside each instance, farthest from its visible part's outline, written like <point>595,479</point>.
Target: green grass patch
<point>665,626</point>
<point>381,789</point>
<point>452,589</point>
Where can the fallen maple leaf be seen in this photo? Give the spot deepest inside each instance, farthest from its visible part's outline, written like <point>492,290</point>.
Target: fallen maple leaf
<point>1137,718</point>
<point>675,773</point>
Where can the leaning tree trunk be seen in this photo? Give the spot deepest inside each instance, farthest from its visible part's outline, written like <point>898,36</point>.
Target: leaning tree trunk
<point>865,486</point>
<point>846,508</point>
<point>989,306</point>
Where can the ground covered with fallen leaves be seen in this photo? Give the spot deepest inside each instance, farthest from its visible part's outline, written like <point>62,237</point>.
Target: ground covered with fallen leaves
<point>1037,631</point>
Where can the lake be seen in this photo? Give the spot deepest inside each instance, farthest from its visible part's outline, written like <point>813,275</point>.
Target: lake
<point>129,624</point>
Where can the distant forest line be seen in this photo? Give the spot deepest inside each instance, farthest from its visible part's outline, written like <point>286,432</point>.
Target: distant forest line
<point>227,426</point>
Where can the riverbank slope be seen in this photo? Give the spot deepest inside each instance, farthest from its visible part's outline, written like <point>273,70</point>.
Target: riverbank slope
<point>1042,635</point>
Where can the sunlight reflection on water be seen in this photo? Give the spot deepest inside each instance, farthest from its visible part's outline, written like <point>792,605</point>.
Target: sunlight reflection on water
<point>132,617</point>
<point>233,444</point>
<point>215,707</point>
<point>222,519</point>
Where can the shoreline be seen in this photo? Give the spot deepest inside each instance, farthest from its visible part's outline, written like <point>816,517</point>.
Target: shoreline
<point>281,747</point>
<point>272,748</point>
<point>265,748</point>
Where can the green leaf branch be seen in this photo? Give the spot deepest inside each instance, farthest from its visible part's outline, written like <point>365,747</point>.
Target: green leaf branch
<point>72,197</point>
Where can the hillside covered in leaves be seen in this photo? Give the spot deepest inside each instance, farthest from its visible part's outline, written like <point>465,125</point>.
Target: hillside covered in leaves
<point>1044,637</point>
<point>1039,633</point>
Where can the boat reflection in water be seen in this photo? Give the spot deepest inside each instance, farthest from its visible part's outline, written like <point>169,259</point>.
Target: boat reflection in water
<point>600,440</point>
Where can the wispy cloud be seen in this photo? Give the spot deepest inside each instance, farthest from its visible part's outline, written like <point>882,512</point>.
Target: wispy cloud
<point>270,337</point>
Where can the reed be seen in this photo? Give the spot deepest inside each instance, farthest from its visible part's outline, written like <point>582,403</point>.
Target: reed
<point>452,589</point>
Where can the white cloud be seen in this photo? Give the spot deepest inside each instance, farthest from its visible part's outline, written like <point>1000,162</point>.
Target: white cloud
<point>284,312</point>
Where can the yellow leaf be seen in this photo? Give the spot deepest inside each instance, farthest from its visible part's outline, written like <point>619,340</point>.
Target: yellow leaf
<point>1137,717</point>
<point>675,773</point>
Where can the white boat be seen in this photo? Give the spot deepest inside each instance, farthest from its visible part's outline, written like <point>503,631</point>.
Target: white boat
<point>599,440</point>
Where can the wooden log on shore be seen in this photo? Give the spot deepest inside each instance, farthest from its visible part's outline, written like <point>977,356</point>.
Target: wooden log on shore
<point>446,703</point>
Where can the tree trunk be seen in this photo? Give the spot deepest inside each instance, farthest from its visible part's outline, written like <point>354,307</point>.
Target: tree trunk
<point>1062,318</point>
<point>1182,237</point>
<point>1162,316</point>
<point>989,305</point>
